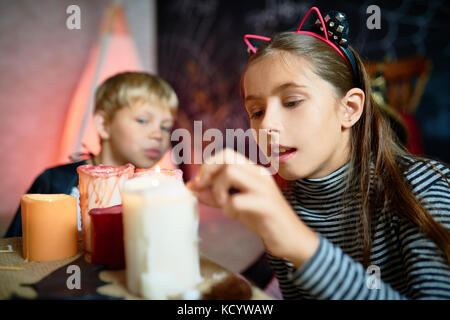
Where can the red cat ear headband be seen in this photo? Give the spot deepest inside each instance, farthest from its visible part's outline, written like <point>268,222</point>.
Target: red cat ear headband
<point>333,30</point>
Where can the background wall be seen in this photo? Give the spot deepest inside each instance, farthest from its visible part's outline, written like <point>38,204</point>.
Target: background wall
<point>40,65</point>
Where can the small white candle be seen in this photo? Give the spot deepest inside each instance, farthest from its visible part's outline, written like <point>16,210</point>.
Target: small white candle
<point>160,221</point>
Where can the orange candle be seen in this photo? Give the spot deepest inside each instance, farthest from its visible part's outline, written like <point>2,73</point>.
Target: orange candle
<point>49,226</point>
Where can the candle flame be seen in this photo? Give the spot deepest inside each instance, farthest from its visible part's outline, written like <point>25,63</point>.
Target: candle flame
<point>157,169</point>
<point>155,183</point>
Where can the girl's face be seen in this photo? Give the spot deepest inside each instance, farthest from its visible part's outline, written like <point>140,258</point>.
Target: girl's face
<point>139,134</point>
<point>282,93</point>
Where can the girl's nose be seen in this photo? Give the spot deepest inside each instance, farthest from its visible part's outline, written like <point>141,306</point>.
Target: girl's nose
<point>271,120</point>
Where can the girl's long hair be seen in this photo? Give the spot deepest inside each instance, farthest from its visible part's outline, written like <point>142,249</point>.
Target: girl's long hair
<point>377,162</point>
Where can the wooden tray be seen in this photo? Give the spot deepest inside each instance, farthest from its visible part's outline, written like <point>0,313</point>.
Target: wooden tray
<point>46,280</point>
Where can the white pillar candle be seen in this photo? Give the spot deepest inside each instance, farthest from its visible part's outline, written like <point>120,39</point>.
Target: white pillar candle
<point>160,221</point>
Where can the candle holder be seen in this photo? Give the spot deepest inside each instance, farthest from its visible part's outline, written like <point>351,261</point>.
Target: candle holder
<point>99,188</point>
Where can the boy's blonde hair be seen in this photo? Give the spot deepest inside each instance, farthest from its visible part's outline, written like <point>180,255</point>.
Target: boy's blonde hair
<point>129,88</point>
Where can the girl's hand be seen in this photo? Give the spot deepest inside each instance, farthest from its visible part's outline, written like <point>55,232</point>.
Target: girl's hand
<point>258,204</point>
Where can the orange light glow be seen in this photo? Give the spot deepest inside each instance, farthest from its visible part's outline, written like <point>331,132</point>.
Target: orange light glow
<point>114,53</point>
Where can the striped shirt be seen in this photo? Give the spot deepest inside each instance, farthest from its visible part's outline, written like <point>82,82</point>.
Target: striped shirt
<point>405,263</point>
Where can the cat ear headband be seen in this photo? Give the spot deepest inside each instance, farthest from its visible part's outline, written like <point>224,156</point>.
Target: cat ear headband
<point>333,30</point>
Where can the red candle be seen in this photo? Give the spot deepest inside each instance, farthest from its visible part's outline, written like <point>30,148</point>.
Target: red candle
<point>107,237</point>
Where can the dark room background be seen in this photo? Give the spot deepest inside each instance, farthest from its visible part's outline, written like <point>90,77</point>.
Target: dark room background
<point>201,52</point>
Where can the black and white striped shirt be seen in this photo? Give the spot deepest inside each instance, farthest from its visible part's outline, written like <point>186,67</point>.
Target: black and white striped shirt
<point>410,264</point>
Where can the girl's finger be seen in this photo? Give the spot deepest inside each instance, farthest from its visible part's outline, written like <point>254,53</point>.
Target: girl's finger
<point>232,180</point>
<point>214,165</point>
<point>242,207</point>
<point>205,175</point>
<point>221,186</point>
<point>206,196</point>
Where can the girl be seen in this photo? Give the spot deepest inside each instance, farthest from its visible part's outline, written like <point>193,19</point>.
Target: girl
<point>353,199</point>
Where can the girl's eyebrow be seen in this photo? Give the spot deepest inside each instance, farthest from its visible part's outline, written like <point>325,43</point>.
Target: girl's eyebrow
<point>251,97</point>
<point>288,85</point>
<point>279,88</point>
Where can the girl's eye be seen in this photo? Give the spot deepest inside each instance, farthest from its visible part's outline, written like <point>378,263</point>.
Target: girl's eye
<point>256,115</point>
<point>292,103</point>
<point>168,129</point>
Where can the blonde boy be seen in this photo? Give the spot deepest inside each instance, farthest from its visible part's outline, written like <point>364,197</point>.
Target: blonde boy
<point>134,115</point>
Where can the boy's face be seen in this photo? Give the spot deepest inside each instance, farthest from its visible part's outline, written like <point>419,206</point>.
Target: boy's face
<point>138,134</point>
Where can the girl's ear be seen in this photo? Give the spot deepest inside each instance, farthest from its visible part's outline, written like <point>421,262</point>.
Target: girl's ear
<point>101,123</point>
<point>352,107</point>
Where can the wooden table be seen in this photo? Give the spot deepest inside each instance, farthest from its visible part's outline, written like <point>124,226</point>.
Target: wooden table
<point>16,274</point>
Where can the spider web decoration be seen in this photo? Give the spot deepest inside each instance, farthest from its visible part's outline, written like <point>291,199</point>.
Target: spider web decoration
<point>202,54</point>
<point>405,25</point>
<point>197,63</point>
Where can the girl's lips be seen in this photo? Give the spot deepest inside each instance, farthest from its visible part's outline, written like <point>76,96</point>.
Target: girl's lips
<point>153,153</point>
<point>284,153</point>
<point>284,156</point>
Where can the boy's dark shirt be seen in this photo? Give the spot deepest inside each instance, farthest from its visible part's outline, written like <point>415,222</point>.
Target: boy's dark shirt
<point>60,179</point>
